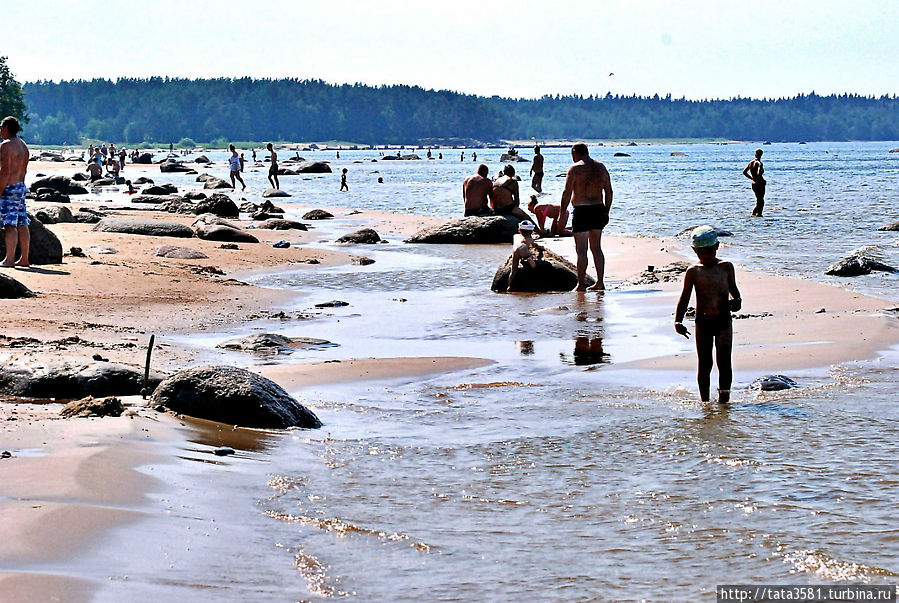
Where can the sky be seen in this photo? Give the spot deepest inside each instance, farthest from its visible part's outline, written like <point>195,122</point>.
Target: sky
<point>521,49</point>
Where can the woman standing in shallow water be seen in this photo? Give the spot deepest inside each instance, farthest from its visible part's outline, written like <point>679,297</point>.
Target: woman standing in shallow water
<point>755,171</point>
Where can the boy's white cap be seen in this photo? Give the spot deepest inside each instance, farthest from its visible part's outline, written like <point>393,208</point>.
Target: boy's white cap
<point>705,236</point>
<point>525,225</point>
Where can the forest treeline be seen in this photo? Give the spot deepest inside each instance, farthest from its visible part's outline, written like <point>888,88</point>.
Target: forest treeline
<point>166,110</point>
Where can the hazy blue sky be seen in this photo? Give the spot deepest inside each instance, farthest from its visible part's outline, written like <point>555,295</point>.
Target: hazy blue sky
<point>713,49</point>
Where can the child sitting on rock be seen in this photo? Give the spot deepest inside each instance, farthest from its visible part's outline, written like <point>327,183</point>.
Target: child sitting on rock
<point>523,252</point>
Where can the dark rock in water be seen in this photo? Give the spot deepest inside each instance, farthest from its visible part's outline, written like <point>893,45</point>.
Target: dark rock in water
<point>364,236</point>
<point>314,167</point>
<point>287,172</point>
<point>857,265</point>
<point>773,383</point>
<point>214,183</point>
<point>471,230</point>
<point>216,232</point>
<point>165,198</point>
<point>138,226</point>
<point>45,247</point>
<point>361,260</point>
<point>272,343</point>
<point>54,214</point>
<point>553,273</point>
<point>516,158</point>
<point>220,205</point>
<point>160,189</point>
<point>204,177</point>
<point>261,215</point>
<point>620,154</point>
<point>332,304</point>
<point>171,166</point>
<point>144,159</point>
<point>79,176</point>
<point>248,207</point>
<point>202,159</point>
<point>234,396</point>
<point>10,288</point>
<point>102,182</point>
<point>179,253</point>
<point>279,224</point>
<point>62,184</point>
<point>143,180</point>
<point>49,195</point>
<point>318,214</point>
<point>71,380</point>
<point>275,192</point>
<point>194,195</point>
<point>224,451</point>
<point>93,407</point>
<point>892,227</point>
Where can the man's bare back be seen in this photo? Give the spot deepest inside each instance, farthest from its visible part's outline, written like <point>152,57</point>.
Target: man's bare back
<point>476,191</point>
<point>13,161</point>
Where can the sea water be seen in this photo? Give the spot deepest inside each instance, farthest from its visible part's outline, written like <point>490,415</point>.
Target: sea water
<point>550,474</point>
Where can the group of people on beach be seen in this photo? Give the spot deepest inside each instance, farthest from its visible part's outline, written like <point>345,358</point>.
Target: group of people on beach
<point>588,190</point>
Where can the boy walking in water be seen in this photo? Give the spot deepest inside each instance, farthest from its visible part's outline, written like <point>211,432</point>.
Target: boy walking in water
<point>715,284</point>
<point>343,185</point>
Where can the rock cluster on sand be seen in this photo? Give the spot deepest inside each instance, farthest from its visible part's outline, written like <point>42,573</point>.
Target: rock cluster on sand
<point>93,407</point>
<point>234,396</point>
<point>856,265</point>
<point>553,273</point>
<point>68,380</point>
<point>363,236</point>
<point>10,288</point>
<point>45,247</point>
<point>471,230</point>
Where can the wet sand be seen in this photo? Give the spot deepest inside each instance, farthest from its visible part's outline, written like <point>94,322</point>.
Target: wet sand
<point>71,480</point>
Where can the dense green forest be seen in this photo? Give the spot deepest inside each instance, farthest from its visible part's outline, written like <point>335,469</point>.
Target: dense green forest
<point>167,110</point>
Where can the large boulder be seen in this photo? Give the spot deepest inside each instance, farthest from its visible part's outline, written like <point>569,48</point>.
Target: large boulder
<point>856,265</point>
<point>143,180</point>
<point>70,380</point>
<point>318,214</point>
<point>275,192</point>
<point>49,195</point>
<point>364,236</point>
<point>892,227</point>
<point>470,230</point>
<point>171,166</point>
<point>140,226</point>
<point>217,232</point>
<point>287,172</point>
<point>10,288</point>
<point>202,159</point>
<point>553,273</point>
<point>314,167</point>
<point>62,184</point>
<point>279,224</point>
<point>506,158</point>
<point>215,183</point>
<point>144,158</point>
<point>179,253</point>
<point>234,396</point>
<point>54,214</point>
<point>45,247</point>
<point>220,205</point>
<point>160,189</point>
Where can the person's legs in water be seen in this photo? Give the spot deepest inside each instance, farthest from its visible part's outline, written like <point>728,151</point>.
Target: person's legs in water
<point>704,342</point>
<point>581,245</point>
<point>599,259</point>
<point>723,345</point>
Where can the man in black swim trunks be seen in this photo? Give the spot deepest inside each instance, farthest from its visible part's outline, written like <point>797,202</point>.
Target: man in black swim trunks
<point>537,170</point>
<point>588,188</point>
<point>755,171</point>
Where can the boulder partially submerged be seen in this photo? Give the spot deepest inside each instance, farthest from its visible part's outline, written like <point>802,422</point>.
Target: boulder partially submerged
<point>553,273</point>
<point>858,264</point>
<point>234,396</point>
<point>313,167</point>
<point>470,230</point>
<point>272,343</point>
<point>773,383</point>
<point>363,236</point>
<point>62,184</point>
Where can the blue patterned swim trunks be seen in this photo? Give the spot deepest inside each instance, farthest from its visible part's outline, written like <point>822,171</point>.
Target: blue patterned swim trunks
<point>12,205</point>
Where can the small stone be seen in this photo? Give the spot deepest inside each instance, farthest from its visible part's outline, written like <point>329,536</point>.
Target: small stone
<point>332,304</point>
<point>99,358</point>
<point>5,454</point>
<point>223,451</point>
<point>76,252</point>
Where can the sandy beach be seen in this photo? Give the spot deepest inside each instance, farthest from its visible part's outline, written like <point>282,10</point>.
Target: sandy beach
<point>70,480</point>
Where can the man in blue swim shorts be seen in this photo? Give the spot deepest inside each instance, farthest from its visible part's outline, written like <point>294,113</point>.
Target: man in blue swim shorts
<point>13,165</point>
<point>588,188</point>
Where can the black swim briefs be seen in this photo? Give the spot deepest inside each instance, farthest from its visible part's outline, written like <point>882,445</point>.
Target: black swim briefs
<point>714,324</point>
<point>589,217</point>
<point>504,211</point>
<point>479,211</point>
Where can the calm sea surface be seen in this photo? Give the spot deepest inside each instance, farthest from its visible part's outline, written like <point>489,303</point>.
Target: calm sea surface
<point>550,475</point>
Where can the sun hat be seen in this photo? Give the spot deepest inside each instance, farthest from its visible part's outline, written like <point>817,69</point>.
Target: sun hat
<point>525,225</point>
<point>705,236</point>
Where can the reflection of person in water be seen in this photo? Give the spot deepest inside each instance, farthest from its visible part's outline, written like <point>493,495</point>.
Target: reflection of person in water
<point>588,350</point>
